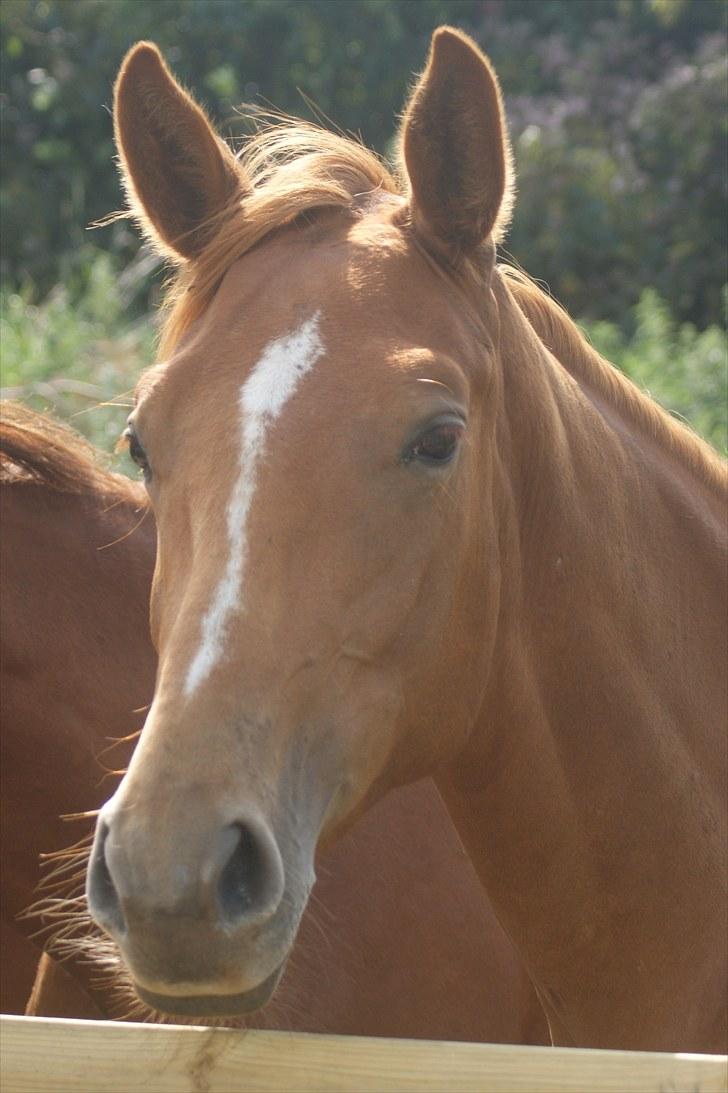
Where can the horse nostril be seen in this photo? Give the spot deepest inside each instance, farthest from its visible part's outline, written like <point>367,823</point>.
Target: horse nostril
<point>101,895</point>
<point>250,882</point>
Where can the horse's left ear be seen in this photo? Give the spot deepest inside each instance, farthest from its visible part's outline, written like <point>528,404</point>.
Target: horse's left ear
<point>455,148</point>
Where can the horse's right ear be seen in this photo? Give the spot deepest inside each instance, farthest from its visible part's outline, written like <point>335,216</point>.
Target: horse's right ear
<point>177,172</point>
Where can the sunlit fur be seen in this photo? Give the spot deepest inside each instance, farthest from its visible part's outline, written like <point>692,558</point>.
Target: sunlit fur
<point>562,337</point>
<point>292,168</point>
<point>538,623</point>
<point>296,168</point>
<point>331,978</point>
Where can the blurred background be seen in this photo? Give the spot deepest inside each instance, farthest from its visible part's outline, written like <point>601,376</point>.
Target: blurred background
<point>618,112</point>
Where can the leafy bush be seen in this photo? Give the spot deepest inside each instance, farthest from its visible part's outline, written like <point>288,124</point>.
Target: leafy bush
<point>76,357</point>
<point>622,183</point>
<point>684,369</point>
<point>617,110</point>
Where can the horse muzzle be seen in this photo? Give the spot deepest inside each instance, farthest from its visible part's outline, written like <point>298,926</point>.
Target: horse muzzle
<point>200,921</point>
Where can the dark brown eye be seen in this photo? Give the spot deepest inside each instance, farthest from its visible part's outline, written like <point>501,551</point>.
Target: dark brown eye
<point>437,444</point>
<point>136,451</point>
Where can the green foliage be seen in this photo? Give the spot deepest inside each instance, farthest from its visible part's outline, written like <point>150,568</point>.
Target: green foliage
<point>617,108</point>
<point>354,59</point>
<point>618,115</point>
<point>623,184</point>
<point>684,369</point>
<point>75,358</point>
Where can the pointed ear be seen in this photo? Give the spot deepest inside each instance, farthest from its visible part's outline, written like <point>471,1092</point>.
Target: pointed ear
<point>178,174</point>
<point>455,147</point>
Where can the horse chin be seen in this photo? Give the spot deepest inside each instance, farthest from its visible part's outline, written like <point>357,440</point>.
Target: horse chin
<point>212,1005</point>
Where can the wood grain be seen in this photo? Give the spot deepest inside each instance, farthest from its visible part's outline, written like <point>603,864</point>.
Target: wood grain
<point>43,1055</point>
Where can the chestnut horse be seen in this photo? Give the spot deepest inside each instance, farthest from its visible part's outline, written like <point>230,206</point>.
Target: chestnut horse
<point>78,547</point>
<point>410,523</point>
<point>76,660</point>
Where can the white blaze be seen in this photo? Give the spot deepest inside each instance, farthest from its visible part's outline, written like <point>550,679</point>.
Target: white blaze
<point>266,391</point>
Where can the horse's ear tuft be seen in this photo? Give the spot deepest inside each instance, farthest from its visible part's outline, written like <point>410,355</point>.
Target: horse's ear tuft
<point>455,147</point>
<point>178,173</point>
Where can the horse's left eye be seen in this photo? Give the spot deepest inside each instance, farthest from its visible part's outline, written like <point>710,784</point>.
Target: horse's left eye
<point>136,451</point>
<point>437,444</point>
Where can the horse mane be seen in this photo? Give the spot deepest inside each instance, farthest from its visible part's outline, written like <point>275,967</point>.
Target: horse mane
<point>563,338</point>
<point>37,449</point>
<point>293,168</point>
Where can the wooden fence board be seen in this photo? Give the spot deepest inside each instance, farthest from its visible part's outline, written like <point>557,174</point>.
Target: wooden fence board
<point>43,1055</point>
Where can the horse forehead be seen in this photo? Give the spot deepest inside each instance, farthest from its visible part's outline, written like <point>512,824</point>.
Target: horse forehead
<point>341,265</point>
<point>373,293</point>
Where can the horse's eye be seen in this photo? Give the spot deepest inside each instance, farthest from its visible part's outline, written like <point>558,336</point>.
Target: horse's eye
<point>136,452</point>
<point>437,444</point>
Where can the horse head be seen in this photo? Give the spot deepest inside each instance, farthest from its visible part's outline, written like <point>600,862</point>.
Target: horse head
<point>318,442</point>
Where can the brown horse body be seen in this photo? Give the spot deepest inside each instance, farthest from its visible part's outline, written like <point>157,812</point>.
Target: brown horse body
<point>76,662</point>
<point>410,523</point>
<point>78,549</point>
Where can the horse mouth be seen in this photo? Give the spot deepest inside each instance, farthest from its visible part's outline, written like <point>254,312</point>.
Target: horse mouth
<point>212,1005</point>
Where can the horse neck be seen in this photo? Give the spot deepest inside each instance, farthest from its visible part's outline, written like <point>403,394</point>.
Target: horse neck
<point>590,794</point>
